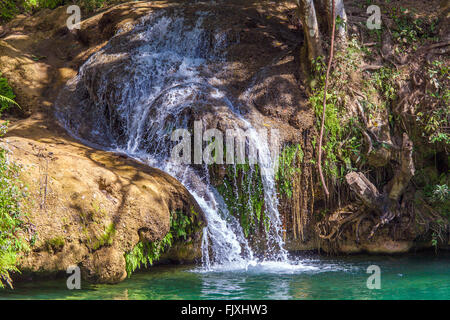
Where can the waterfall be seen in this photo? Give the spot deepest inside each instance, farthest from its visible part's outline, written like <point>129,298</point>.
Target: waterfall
<point>161,76</point>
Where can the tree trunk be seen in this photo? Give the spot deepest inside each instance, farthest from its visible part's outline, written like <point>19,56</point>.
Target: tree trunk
<point>308,18</point>
<point>370,195</point>
<point>444,17</point>
<point>385,204</point>
<point>404,172</point>
<point>341,33</point>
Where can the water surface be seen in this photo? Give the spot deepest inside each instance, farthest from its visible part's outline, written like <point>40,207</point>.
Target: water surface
<point>421,276</point>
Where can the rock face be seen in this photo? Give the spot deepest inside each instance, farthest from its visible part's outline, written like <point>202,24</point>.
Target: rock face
<point>182,64</point>
<point>187,64</point>
<point>105,266</point>
<point>38,54</point>
<point>380,245</point>
<point>89,207</point>
<point>86,207</point>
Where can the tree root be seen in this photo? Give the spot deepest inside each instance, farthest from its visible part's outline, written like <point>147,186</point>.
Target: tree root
<point>385,219</point>
<point>336,229</point>
<point>358,224</point>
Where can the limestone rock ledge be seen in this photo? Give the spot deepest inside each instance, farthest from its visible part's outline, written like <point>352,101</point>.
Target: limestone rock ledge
<point>88,207</point>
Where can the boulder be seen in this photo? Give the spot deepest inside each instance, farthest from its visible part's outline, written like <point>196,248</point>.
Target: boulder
<point>88,207</point>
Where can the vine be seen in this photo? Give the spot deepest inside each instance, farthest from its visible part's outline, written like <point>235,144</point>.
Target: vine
<point>319,160</point>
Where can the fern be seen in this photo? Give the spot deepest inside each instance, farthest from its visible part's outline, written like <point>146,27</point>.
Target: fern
<point>6,95</point>
<point>145,253</point>
<point>288,166</point>
<point>5,100</point>
<point>11,217</point>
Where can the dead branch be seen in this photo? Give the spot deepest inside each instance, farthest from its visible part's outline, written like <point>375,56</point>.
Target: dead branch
<point>364,189</point>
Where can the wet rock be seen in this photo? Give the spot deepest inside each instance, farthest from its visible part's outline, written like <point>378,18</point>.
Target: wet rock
<point>106,265</point>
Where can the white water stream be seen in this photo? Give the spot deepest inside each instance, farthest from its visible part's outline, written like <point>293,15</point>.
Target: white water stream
<point>159,77</point>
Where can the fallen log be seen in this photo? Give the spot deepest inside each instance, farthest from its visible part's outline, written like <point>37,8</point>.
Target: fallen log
<point>364,189</point>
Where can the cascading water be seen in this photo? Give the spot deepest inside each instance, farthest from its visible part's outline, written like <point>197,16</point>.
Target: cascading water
<point>161,76</point>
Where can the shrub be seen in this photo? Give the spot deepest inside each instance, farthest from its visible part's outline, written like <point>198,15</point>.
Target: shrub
<point>11,216</point>
<point>11,201</point>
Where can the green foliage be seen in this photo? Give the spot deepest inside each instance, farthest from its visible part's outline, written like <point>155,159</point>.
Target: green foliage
<point>439,197</point>
<point>182,225</point>
<point>333,131</point>
<point>50,4</point>
<point>441,193</point>
<point>434,116</point>
<point>7,95</point>
<point>288,166</point>
<point>434,241</point>
<point>10,8</point>
<point>11,216</point>
<point>384,80</point>
<point>408,29</point>
<point>106,239</point>
<point>243,192</point>
<point>435,190</point>
<point>342,137</point>
<point>55,244</point>
<point>145,253</point>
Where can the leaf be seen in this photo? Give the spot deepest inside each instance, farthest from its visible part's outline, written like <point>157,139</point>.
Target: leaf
<point>8,100</point>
